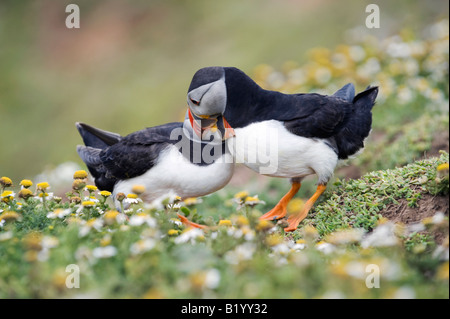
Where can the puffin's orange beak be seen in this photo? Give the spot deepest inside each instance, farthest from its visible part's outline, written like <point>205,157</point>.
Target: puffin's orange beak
<point>199,130</point>
<point>229,131</point>
<point>194,124</point>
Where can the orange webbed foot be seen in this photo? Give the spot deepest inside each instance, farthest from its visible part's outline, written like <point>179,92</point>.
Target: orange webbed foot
<point>187,222</point>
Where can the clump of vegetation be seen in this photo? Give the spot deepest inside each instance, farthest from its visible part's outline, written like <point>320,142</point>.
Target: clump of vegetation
<point>146,252</point>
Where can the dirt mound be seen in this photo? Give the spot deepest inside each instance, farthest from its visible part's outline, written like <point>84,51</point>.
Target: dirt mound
<point>427,206</point>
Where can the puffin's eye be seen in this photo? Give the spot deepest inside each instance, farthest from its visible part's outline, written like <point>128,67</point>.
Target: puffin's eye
<point>194,101</point>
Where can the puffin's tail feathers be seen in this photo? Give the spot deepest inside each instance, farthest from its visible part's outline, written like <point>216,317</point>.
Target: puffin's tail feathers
<point>95,137</point>
<point>350,139</point>
<point>347,92</point>
<point>366,98</point>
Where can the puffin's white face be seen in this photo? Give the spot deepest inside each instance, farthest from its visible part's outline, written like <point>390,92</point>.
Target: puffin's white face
<point>209,99</point>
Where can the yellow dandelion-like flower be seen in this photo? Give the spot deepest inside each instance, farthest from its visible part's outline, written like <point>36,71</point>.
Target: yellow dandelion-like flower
<point>191,201</point>
<point>42,186</point>
<point>443,271</point>
<point>242,220</point>
<point>5,181</point>
<point>442,170</point>
<point>225,222</point>
<point>173,232</point>
<point>88,203</point>
<point>138,189</point>
<point>105,193</point>
<point>33,241</point>
<point>9,216</point>
<point>91,188</point>
<point>82,174</point>
<point>26,183</point>
<point>263,225</point>
<point>110,215</point>
<point>25,193</point>
<point>120,196</point>
<point>295,206</point>
<point>241,195</point>
<point>274,239</point>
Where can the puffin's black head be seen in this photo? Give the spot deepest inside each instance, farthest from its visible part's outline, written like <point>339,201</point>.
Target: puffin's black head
<point>207,95</point>
<point>207,100</point>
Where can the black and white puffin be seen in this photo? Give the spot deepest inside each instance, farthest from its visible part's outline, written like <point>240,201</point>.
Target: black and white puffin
<point>285,135</point>
<point>186,159</point>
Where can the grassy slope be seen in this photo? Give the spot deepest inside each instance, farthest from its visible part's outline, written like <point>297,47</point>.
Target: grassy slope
<point>332,264</point>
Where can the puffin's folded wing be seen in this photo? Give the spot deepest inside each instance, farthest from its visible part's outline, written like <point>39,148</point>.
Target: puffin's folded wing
<point>317,116</point>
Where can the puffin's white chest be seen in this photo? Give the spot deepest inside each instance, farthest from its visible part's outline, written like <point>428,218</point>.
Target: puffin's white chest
<point>269,149</point>
<point>175,175</point>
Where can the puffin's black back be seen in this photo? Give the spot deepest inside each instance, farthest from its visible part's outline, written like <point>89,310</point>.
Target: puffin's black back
<point>308,115</point>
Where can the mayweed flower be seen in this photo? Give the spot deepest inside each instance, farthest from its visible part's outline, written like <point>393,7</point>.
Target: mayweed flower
<point>5,181</point>
<point>26,183</point>
<point>81,174</point>
<point>59,213</point>
<point>241,195</point>
<point>132,199</point>
<point>88,203</point>
<point>141,218</point>
<point>209,279</point>
<point>381,236</point>
<point>325,247</point>
<point>94,223</point>
<point>240,253</point>
<point>176,221</point>
<point>192,201</point>
<point>253,200</point>
<point>190,235</point>
<point>7,196</point>
<point>110,217</point>
<point>104,252</point>
<point>142,246</point>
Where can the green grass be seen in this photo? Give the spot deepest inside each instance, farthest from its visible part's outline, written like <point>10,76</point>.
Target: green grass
<point>327,256</point>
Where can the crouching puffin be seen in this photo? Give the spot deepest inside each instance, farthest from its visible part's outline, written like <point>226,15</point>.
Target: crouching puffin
<point>187,159</point>
<point>285,135</point>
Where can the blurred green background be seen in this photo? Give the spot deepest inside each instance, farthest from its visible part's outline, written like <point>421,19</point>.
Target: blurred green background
<point>130,63</point>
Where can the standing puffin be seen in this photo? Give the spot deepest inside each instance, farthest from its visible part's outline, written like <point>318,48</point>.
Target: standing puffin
<point>187,159</point>
<point>308,133</point>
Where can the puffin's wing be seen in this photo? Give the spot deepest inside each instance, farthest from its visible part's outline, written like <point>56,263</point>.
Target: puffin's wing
<point>138,152</point>
<point>315,115</point>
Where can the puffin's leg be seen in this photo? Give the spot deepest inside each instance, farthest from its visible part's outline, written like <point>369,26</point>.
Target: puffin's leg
<point>187,222</point>
<point>279,211</point>
<point>295,219</point>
